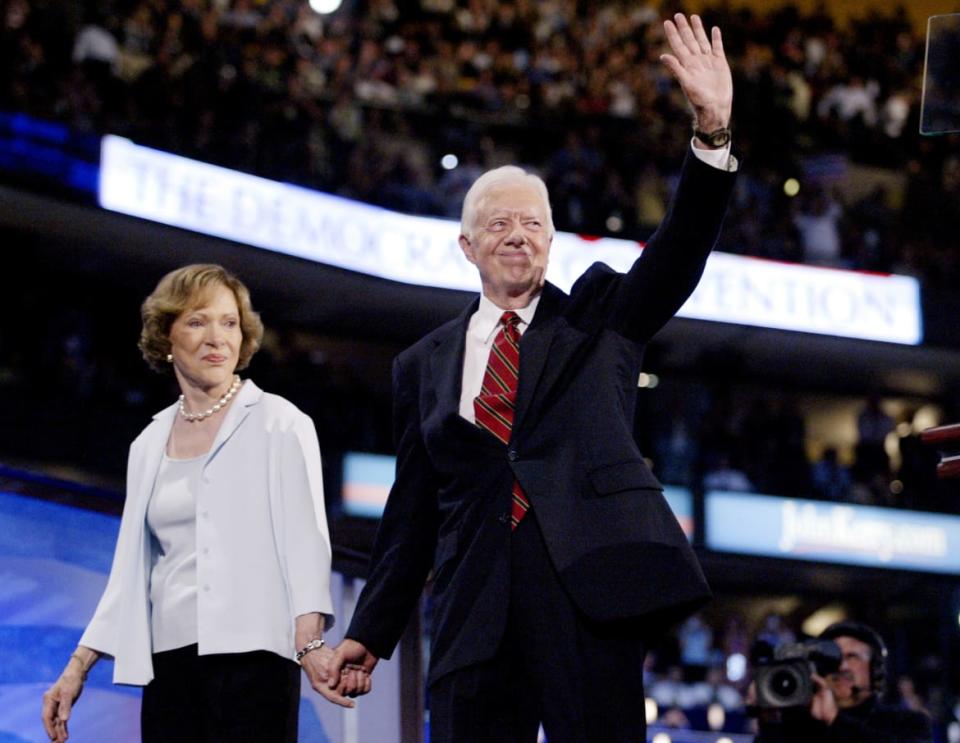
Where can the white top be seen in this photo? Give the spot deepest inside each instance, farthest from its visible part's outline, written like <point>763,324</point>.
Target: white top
<point>172,519</point>
<point>485,322</point>
<point>263,552</point>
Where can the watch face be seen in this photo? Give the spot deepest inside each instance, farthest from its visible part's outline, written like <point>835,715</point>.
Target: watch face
<point>717,138</point>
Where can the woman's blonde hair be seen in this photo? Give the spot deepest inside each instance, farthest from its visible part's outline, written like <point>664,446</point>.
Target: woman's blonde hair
<point>185,289</point>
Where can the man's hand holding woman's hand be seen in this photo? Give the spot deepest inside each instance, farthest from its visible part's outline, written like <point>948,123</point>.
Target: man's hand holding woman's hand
<point>318,665</point>
<point>342,673</point>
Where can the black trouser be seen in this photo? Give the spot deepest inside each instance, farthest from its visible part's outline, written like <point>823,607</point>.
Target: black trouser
<point>582,679</point>
<point>236,698</point>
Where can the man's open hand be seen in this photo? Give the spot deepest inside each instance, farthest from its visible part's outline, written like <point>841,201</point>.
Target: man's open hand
<point>701,68</point>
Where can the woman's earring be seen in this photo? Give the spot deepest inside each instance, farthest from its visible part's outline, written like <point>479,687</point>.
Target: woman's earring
<point>169,358</point>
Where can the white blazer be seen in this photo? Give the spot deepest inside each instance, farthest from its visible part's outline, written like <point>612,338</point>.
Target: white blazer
<point>263,551</point>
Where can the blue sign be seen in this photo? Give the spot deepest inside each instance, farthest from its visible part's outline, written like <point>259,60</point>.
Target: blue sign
<point>680,501</point>
<point>832,532</point>
<point>367,479</point>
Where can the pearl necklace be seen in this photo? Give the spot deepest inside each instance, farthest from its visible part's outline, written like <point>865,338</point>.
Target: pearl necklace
<point>221,403</point>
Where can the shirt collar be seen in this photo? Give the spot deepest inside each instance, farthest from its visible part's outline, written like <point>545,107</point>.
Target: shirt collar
<point>488,316</point>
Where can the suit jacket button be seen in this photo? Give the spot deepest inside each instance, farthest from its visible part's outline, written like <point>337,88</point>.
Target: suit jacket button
<point>504,518</point>
<point>512,455</point>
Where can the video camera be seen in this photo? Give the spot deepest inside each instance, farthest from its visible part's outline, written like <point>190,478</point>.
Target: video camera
<point>784,673</point>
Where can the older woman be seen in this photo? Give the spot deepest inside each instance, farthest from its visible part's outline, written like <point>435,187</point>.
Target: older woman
<point>220,579</point>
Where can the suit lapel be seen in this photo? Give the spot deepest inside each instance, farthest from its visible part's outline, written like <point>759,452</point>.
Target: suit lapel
<point>446,363</point>
<point>446,377</point>
<point>535,348</point>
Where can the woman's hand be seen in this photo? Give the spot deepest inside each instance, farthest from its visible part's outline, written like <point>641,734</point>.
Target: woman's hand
<point>317,664</point>
<point>59,699</point>
<point>353,682</point>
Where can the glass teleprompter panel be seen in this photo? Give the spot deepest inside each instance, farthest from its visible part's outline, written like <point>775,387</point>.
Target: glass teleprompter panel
<point>940,106</point>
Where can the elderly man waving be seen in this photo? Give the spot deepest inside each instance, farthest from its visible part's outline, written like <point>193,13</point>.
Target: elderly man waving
<point>554,553</point>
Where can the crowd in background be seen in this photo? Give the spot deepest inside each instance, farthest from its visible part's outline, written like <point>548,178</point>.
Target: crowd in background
<point>719,436</point>
<point>366,101</point>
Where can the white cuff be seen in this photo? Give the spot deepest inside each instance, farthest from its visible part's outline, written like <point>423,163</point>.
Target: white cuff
<point>720,159</point>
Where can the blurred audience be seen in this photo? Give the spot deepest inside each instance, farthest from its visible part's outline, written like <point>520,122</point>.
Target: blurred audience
<point>366,101</point>
<point>831,479</point>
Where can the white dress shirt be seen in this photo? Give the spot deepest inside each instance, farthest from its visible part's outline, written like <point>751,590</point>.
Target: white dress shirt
<point>483,328</point>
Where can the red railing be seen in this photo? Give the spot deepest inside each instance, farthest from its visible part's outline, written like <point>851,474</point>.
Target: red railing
<point>947,440</point>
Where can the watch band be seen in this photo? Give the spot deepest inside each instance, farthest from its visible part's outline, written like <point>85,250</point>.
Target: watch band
<point>312,645</point>
<point>717,138</point>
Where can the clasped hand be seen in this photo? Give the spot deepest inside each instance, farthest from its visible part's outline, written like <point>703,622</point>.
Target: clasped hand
<point>340,674</point>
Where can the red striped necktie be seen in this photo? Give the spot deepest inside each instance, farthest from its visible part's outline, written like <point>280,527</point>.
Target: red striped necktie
<point>494,406</point>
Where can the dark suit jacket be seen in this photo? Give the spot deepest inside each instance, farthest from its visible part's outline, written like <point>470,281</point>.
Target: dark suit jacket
<point>616,545</point>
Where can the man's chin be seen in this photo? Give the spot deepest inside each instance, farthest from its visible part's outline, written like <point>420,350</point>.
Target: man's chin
<point>529,286</point>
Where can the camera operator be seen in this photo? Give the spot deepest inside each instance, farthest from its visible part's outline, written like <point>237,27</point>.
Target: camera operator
<point>846,704</point>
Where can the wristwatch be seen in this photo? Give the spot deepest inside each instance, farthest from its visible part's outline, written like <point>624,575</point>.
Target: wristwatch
<point>716,138</point>
<point>312,645</point>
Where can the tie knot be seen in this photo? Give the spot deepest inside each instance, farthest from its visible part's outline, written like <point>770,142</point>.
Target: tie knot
<point>510,318</point>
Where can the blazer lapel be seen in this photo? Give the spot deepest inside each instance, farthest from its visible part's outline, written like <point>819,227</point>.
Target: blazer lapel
<point>248,396</point>
<point>157,436</point>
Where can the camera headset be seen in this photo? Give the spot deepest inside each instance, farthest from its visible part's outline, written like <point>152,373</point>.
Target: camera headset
<point>878,649</point>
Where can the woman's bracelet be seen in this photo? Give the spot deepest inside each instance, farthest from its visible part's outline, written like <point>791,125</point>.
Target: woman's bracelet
<point>83,667</point>
<point>312,645</point>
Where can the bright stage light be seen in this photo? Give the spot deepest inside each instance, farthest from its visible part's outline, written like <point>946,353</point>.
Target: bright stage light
<point>736,667</point>
<point>716,716</point>
<point>324,7</point>
<point>648,381</point>
<point>791,187</point>
<point>953,732</point>
<point>652,712</point>
<point>449,161</point>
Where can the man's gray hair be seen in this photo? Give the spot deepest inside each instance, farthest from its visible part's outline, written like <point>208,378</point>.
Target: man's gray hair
<point>473,201</point>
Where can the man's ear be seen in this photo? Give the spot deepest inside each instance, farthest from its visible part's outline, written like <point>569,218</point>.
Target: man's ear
<point>467,248</point>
